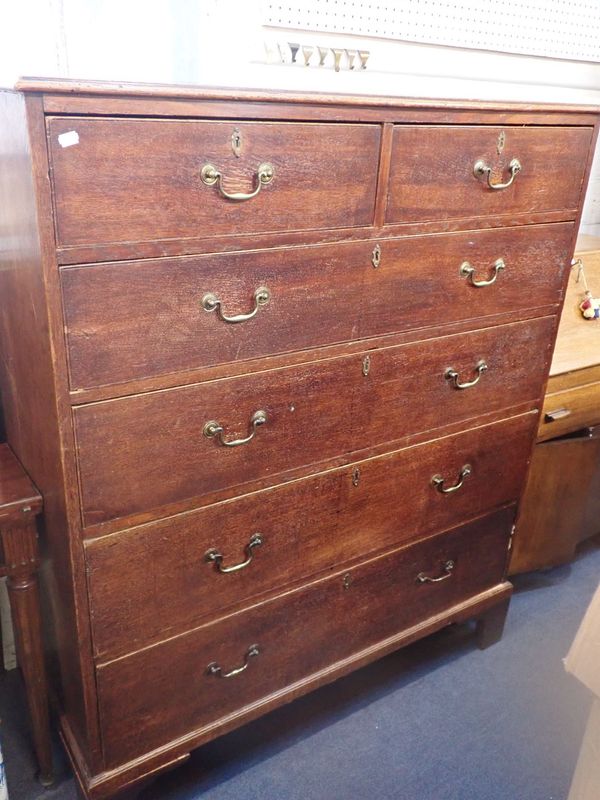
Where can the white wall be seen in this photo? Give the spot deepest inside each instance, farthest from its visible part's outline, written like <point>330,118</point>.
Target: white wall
<point>221,42</point>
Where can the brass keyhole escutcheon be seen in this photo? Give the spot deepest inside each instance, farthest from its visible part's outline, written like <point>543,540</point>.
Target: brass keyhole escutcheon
<point>355,476</point>
<point>366,365</point>
<point>376,256</point>
<point>236,143</point>
<point>347,581</point>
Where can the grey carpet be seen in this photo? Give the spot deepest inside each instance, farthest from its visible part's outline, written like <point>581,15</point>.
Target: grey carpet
<point>439,720</point>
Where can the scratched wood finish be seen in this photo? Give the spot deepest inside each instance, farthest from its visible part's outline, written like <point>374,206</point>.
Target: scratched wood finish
<point>308,526</point>
<point>139,179</point>
<point>32,373</point>
<point>137,453</point>
<point>129,321</point>
<point>432,171</point>
<point>165,692</point>
<point>343,137</point>
<point>16,489</point>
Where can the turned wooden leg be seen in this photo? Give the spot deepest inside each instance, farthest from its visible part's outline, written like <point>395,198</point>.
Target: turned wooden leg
<point>491,624</point>
<point>23,592</point>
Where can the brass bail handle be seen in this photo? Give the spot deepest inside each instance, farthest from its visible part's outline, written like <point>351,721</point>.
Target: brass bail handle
<point>215,669</point>
<point>211,176</point>
<point>452,375</point>
<point>447,566</point>
<point>438,482</point>
<point>213,428</point>
<point>468,272</point>
<point>210,302</point>
<point>480,168</point>
<point>213,556</point>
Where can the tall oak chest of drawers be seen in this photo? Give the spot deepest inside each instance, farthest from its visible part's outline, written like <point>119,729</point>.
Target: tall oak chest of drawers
<point>275,362</point>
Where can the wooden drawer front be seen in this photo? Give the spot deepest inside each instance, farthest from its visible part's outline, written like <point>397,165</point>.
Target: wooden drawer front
<point>166,691</point>
<point>133,180</point>
<point>305,527</point>
<point>432,171</point>
<point>570,410</point>
<point>134,320</point>
<point>142,452</point>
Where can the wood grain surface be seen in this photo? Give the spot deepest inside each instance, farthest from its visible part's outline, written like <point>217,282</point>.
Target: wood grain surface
<point>139,179</point>
<point>164,692</point>
<point>138,453</point>
<point>133,320</point>
<point>153,581</point>
<point>432,171</point>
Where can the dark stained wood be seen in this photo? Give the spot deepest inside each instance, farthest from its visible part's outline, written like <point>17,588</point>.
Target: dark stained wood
<point>339,414</point>
<point>165,692</point>
<point>77,87</point>
<point>490,626</point>
<point>308,526</point>
<point>19,545</point>
<point>19,499</point>
<point>432,171</point>
<point>81,254</point>
<point>20,502</point>
<point>139,452</point>
<point>559,496</point>
<point>34,392</point>
<point>133,320</point>
<point>142,178</point>
<point>297,357</point>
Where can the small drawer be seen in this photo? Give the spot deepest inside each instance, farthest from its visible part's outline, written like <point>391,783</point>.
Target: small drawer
<point>134,180</point>
<point>220,556</point>
<point>565,412</point>
<point>142,452</point>
<point>180,685</point>
<point>451,171</point>
<point>131,320</point>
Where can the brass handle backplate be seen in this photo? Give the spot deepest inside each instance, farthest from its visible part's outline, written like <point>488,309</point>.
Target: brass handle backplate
<point>438,482</point>
<point>452,375</point>
<point>447,566</point>
<point>210,302</point>
<point>211,176</point>
<point>216,670</point>
<point>480,168</point>
<point>213,428</point>
<point>467,271</point>
<point>213,556</point>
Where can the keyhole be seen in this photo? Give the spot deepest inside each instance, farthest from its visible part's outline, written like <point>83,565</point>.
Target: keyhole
<point>355,476</point>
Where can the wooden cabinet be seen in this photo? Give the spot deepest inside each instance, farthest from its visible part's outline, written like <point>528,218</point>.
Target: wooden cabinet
<point>274,363</point>
<point>561,506</point>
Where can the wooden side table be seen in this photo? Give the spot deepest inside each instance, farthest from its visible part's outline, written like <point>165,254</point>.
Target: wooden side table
<point>20,503</point>
<point>561,503</point>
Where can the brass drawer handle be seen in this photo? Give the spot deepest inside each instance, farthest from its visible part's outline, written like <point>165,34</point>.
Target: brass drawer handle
<point>210,302</point>
<point>213,428</point>
<point>438,482</point>
<point>447,566</point>
<point>210,175</point>
<point>559,413</point>
<point>214,557</point>
<point>481,168</point>
<point>452,375</point>
<point>216,670</point>
<point>467,271</point>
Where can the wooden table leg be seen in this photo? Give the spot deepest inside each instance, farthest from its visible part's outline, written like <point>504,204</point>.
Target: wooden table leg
<point>23,592</point>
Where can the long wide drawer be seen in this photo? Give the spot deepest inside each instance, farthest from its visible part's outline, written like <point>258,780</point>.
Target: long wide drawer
<point>142,452</point>
<point>179,686</point>
<point>288,533</point>
<point>132,320</point>
<point>128,180</point>
<point>442,171</point>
